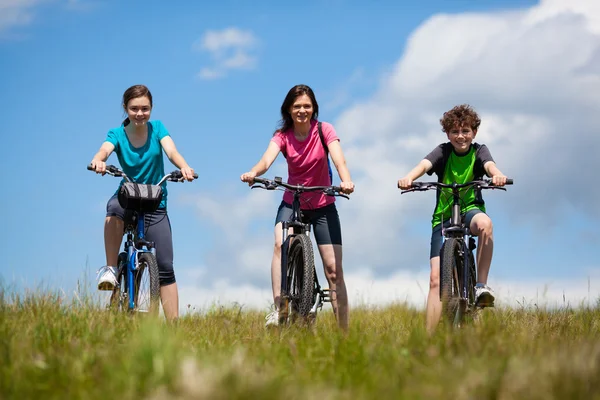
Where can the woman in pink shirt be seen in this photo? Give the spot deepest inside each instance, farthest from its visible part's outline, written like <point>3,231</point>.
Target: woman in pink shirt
<point>299,141</point>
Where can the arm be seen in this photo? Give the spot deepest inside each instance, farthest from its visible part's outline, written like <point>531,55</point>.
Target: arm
<point>263,164</point>
<point>422,167</point>
<point>177,159</point>
<point>337,156</point>
<point>498,178</point>
<point>99,160</point>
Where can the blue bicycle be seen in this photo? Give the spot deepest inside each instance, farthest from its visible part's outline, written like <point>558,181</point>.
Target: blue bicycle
<point>137,286</point>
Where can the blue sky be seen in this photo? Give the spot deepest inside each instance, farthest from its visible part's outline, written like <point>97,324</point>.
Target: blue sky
<point>383,74</point>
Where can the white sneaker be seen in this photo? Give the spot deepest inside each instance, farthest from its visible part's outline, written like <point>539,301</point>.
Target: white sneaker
<point>272,319</point>
<point>107,278</point>
<point>484,296</point>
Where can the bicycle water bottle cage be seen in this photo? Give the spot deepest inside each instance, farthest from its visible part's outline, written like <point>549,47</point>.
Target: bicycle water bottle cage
<point>140,197</point>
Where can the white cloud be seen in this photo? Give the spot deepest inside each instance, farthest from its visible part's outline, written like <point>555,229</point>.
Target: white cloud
<point>534,77</point>
<point>14,13</point>
<point>411,288</point>
<point>229,49</point>
<point>17,12</point>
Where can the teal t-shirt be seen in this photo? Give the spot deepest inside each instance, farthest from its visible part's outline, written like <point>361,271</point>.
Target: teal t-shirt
<point>142,164</point>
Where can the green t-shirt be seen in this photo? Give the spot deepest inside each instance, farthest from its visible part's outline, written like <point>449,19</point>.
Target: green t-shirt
<point>142,164</point>
<point>451,167</point>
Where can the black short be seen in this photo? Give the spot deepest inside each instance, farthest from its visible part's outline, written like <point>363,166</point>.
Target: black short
<point>325,222</point>
<point>436,234</point>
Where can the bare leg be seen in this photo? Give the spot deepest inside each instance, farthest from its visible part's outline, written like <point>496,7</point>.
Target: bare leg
<point>331,254</point>
<point>169,296</point>
<point>276,266</point>
<point>434,305</point>
<point>113,235</point>
<point>481,226</point>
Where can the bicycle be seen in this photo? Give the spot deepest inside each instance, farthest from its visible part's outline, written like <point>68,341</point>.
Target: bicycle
<point>137,288</point>
<point>301,294</point>
<point>458,274</point>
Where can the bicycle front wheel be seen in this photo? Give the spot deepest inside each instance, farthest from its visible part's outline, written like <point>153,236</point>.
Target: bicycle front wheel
<point>301,275</point>
<point>146,288</point>
<point>119,297</point>
<point>449,281</point>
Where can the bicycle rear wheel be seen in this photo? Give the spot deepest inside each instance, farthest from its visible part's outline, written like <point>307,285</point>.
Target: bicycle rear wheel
<point>146,288</point>
<point>301,276</point>
<point>450,264</point>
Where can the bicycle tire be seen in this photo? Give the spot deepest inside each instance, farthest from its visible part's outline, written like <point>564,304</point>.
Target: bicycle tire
<point>301,276</point>
<point>450,281</point>
<point>146,292</point>
<point>119,297</point>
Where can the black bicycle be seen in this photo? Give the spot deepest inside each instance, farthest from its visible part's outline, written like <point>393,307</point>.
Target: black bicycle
<point>458,273</point>
<point>301,294</point>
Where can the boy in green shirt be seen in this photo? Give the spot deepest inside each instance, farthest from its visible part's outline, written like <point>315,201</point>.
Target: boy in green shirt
<point>459,160</point>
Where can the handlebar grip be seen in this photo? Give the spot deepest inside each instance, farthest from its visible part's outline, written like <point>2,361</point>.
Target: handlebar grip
<point>90,168</point>
<point>509,181</point>
<point>195,176</point>
<point>260,180</point>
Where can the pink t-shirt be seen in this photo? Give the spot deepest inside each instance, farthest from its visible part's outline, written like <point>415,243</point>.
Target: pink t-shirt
<point>307,164</point>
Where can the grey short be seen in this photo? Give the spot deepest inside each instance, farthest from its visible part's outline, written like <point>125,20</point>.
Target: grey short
<point>158,230</point>
<point>325,222</point>
<point>436,234</point>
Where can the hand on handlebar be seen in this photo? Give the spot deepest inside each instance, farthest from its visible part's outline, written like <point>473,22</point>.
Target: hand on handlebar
<point>499,180</point>
<point>405,183</point>
<point>98,166</point>
<point>248,177</point>
<point>347,187</point>
<point>188,174</point>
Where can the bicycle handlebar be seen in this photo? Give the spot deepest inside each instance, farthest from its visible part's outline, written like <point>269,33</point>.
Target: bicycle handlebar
<point>481,184</point>
<point>273,184</point>
<point>175,176</point>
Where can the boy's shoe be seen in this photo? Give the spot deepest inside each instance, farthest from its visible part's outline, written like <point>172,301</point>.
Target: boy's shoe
<point>272,319</point>
<point>107,278</point>
<point>484,296</point>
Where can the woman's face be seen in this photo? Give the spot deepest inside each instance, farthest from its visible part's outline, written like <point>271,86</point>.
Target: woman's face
<point>301,110</point>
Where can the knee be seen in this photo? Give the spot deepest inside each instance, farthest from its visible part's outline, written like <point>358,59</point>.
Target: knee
<point>434,282</point>
<point>333,270</point>
<point>485,226</point>
<point>166,277</point>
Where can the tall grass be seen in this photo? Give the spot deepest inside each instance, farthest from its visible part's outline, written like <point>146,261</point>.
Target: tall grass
<point>52,348</point>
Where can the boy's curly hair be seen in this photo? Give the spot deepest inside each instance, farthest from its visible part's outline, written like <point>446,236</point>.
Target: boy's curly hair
<point>460,115</point>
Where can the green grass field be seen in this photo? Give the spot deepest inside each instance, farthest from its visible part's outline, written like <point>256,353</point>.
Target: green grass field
<point>54,349</point>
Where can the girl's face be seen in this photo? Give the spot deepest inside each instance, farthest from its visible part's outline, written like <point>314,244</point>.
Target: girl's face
<point>138,110</point>
<point>461,138</point>
<point>301,110</point>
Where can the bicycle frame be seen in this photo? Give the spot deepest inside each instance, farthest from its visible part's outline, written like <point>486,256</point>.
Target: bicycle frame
<point>133,252</point>
<point>141,245</point>
<point>458,230</point>
<point>298,228</point>
<point>461,233</point>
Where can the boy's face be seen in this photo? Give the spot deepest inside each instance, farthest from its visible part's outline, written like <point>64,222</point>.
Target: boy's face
<point>461,138</point>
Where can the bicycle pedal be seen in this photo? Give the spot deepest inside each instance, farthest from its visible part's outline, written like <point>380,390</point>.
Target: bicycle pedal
<point>326,295</point>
